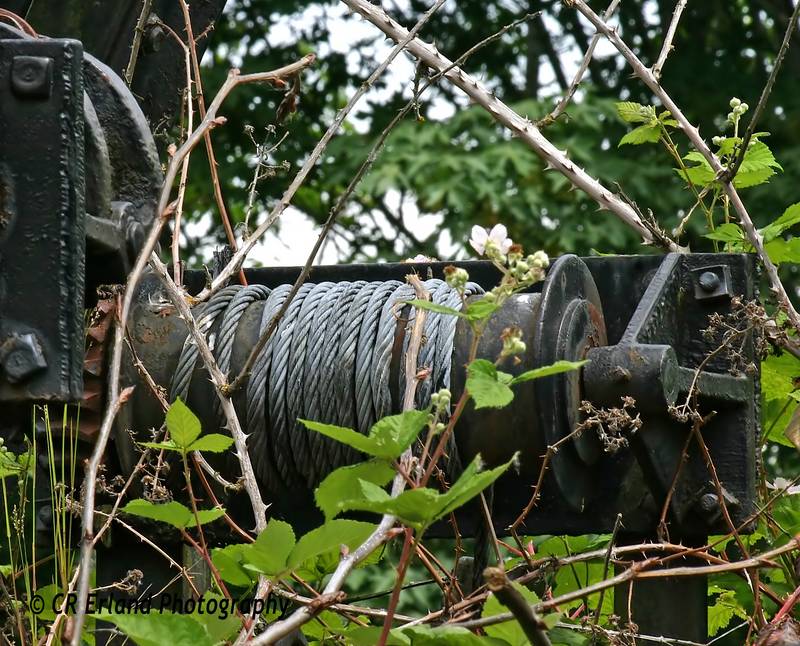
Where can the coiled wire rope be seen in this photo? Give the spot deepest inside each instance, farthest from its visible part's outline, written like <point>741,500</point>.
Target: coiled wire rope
<point>328,360</point>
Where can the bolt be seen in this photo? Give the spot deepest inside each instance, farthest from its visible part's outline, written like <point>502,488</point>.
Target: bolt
<point>22,356</point>
<point>709,281</point>
<point>620,374</point>
<point>710,507</point>
<point>32,76</point>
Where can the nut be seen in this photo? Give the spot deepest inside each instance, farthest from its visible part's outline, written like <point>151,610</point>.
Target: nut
<point>32,76</point>
<point>709,281</point>
<point>22,356</point>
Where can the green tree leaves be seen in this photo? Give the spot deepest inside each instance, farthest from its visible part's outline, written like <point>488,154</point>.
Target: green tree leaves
<point>387,439</point>
<point>491,388</point>
<point>275,552</point>
<point>184,432</point>
<point>173,513</point>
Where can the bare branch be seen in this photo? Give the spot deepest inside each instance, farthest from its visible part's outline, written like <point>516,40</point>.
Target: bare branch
<point>666,48</point>
<point>523,128</point>
<point>297,182</point>
<point>576,81</point>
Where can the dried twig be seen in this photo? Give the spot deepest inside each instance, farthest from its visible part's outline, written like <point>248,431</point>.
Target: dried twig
<point>523,128</point>
<point>300,177</point>
<point>576,81</point>
<point>666,48</point>
<point>138,33</point>
<point>535,629</point>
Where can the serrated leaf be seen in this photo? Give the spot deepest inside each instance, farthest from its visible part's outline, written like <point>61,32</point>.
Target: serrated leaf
<point>434,307</point>
<point>787,220</point>
<point>270,551</point>
<point>330,537</point>
<point>631,112</point>
<point>173,513</point>
<point>724,608</point>
<point>480,309</point>
<point>421,507</point>
<point>156,629</point>
<point>488,386</point>
<point>342,485</point>
<point>228,561</point>
<point>747,179</point>
<point>510,631</point>
<point>647,133</point>
<point>182,424</point>
<point>782,251</point>
<point>212,443</point>
<point>387,439</point>
<point>758,156</point>
<point>545,371</point>
<point>727,232</point>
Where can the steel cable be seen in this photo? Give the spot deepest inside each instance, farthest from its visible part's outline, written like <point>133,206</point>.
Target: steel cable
<point>329,360</point>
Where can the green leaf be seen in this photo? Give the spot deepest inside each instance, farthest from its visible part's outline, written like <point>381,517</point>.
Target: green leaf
<point>790,217</point>
<point>778,374</point>
<point>421,507</point>
<point>631,112</point>
<point>545,371</point>
<point>510,631</point>
<point>329,538</point>
<point>757,157</point>
<point>781,251</point>
<point>434,307</point>
<point>344,435</point>
<point>270,551</point>
<point>168,445</point>
<point>746,179</point>
<point>648,133</point>
<point>342,485</point>
<point>728,232</point>
<point>446,636</point>
<point>480,309</point>
<point>724,608</point>
<point>156,629</point>
<point>212,443</point>
<point>182,424</point>
<point>488,386</point>
<point>172,512</point>
<point>229,560</point>
<point>387,439</point>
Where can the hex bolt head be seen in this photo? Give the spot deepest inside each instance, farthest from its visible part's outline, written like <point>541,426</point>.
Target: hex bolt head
<point>22,356</point>
<point>709,281</point>
<point>710,507</point>
<point>32,76</point>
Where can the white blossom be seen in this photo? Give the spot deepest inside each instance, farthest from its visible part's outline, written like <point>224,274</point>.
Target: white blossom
<point>498,236</point>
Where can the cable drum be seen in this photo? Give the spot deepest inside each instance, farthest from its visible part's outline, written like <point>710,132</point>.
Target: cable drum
<point>329,359</point>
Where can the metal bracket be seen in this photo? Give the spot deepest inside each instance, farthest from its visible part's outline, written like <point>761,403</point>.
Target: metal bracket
<point>41,220</point>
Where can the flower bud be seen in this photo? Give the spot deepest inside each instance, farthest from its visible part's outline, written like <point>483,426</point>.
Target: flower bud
<point>456,277</point>
<point>539,260</point>
<point>735,103</point>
